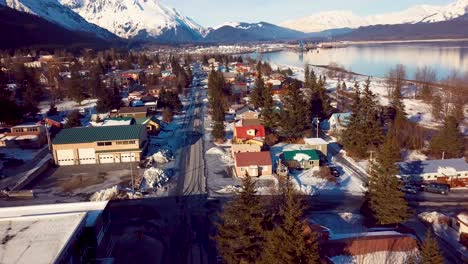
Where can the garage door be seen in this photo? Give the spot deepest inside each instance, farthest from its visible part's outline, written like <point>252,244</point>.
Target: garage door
<point>65,157</point>
<point>127,157</point>
<point>106,158</point>
<point>87,156</point>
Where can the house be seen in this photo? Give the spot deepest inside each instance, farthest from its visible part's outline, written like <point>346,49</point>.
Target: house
<point>249,122</point>
<point>229,77</point>
<point>246,113</point>
<point>253,164</point>
<point>317,144</point>
<point>135,95</point>
<point>153,125</point>
<point>461,226</point>
<point>98,145</point>
<point>450,171</point>
<point>135,112</point>
<point>249,134</point>
<point>337,122</point>
<point>131,75</point>
<point>28,135</point>
<point>239,88</point>
<point>234,108</point>
<point>119,121</point>
<point>54,121</point>
<point>53,233</point>
<point>237,148</point>
<point>303,159</point>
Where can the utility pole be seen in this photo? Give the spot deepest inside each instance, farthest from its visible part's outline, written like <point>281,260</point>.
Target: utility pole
<point>370,161</point>
<point>443,155</point>
<point>318,122</point>
<point>131,174</point>
<point>48,136</point>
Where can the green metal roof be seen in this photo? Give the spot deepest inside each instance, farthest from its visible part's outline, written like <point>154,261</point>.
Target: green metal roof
<point>94,134</point>
<point>312,153</point>
<point>144,120</point>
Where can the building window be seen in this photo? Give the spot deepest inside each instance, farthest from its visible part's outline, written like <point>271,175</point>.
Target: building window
<point>108,143</point>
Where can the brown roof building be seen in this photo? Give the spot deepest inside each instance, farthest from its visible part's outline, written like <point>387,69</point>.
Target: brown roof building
<point>253,163</point>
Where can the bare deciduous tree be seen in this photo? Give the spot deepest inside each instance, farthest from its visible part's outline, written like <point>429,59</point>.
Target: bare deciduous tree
<point>425,77</point>
<point>395,79</point>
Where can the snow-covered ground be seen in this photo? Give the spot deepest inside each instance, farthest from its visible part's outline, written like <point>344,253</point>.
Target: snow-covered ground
<point>340,222</point>
<point>68,105</point>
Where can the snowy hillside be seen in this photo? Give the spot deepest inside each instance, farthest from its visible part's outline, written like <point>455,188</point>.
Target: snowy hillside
<point>347,19</point>
<point>140,19</point>
<point>240,31</point>
<point>53,11</point>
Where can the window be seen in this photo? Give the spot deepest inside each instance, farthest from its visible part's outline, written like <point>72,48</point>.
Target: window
<point>108,143</point>
<point>242,169</point>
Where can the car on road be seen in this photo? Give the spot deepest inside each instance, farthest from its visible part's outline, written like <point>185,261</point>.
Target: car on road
<point>409,189</point>
<point>334,171</point>
<point>437,188</point>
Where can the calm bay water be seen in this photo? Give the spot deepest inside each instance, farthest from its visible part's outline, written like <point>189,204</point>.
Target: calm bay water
<point>377,59</point>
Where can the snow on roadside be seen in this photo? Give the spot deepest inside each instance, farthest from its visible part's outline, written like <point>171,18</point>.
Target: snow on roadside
<point>162,156</point>
<point>105,194</point>
<point>154,178</point>
<point>311,184</point>
<point>229,189</point>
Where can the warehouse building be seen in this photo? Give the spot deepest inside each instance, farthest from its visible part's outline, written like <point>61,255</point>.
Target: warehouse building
<point>99,145</point>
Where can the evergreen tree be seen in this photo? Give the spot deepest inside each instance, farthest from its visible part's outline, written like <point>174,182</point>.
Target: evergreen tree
<point>75,91</point>
<point>167,115</point>
<point>437,107</point>
<point>293,116</point>
<point>449,140</point>
<point>218,130</point>
<point>104,103</point>
<point>371,128</point>
<point>73,119</point>
<point>386,201</point>
<point>240,236</point>
<point>287,242</point>
<point>269,115</point>
<point>116,96</point>
<point>307,82</point>
<point>256,94</point>
<point>430,252</point>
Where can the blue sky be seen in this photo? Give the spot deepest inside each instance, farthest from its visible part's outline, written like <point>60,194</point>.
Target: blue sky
<point>214,12</point>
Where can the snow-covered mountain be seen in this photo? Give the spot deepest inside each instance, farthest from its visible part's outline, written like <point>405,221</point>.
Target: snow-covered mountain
<point>347,19</point>
<point>53,11</point>
<point>240,31</point>
<point>138,19</point>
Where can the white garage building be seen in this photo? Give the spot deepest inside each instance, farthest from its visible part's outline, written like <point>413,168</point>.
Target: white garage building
<point>99,145</point>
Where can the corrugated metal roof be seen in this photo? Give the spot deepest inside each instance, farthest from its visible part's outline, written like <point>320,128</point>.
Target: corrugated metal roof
<point>94,134</point>
<point>312,153</point>
<point>431,166</point>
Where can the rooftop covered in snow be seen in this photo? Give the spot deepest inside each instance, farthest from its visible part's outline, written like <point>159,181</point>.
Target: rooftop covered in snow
<point>432,166</point>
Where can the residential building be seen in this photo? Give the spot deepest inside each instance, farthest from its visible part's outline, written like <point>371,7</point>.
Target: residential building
<point>153,125</point>
<point>135,112</point>
<point>239,88</point>
<point>317,144</point>
<point>253,164</point>
<point>52,233</point>
<point>131,75</point>
<point>249,134</point>
<point>337,122</point>
<point>28,135</point>
<point>229,77</point>
<point>246,113</point>
<point>119,121</point>
<point>301,159</point>
<point>249,122</point>
<point>99,145</point>
<point>237,148</point>
<point>450,171</point>
<point>234,108</point>
<point>461,226</point>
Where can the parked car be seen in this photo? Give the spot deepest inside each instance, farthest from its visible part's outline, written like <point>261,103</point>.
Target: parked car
<point>437,188</point>
<point>409,189</point>
<point>334,171</point>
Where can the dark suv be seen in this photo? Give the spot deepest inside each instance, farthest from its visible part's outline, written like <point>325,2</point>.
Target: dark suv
<point>437,188</point>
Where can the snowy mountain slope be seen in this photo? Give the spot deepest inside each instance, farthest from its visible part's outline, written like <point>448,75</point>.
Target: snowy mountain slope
<point>239,31</point>
<point>53,11</point>
<point>346,19</point>
<point>138,19</point>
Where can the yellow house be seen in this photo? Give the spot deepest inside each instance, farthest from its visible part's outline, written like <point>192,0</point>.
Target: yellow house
<point>98,145</point>
<point>153,125</point>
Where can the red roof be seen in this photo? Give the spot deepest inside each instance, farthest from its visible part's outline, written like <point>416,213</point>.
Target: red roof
<point>241,132</point>
<point>245,159</point>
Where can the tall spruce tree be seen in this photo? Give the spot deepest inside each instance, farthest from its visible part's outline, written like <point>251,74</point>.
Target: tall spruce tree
<point>256,96</point>
<point>448,141</point>
<point>287,242</point>
<point>240,237</point>
<point>269,115</point>
<point>430,252</point>
<point>386,201</point>
<point>293,116</point>
<point>371,127</point>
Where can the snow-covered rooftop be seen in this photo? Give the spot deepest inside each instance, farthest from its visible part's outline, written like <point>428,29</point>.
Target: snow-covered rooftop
<point>37,239</point>
<point>51,209</point>
<point>315,141</point>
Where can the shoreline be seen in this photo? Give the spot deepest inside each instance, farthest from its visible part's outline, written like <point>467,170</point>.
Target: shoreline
<point>365,42</point>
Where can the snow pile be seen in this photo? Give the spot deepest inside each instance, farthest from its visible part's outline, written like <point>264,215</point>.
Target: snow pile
<point>432,217</point>
<point>216,151</point>
<point>163,156</point>
<point>105,194</point>
<point>350,217</point>
<point>155,178</point>
<point>229,189</point>
<point>301,157</point>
